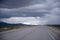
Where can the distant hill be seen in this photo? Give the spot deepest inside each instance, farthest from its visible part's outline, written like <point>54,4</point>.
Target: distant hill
<point>54,25</point>
<point>3,24</point>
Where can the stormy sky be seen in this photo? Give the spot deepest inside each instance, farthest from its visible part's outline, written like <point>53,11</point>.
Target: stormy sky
<point>32,12</point>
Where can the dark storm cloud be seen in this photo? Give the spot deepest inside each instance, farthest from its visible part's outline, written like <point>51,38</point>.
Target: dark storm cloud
<point>35,14</point>
<point>48,11</point>
<point>38,9</point>
<point>1,1</point>
<point>18,3</point>
<point>13,3</point>
<point>22,14</point>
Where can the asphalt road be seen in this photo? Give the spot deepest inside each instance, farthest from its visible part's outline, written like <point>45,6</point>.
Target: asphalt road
<point>30,33</point>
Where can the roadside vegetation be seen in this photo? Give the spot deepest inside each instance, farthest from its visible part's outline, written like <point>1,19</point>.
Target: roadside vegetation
<point>6,28</point>
<point>55,26</point>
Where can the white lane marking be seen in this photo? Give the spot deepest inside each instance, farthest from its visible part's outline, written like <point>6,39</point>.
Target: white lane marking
<point>51,35</point>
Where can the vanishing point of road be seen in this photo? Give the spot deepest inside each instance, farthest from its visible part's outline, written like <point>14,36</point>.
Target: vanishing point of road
<point>29,33</point>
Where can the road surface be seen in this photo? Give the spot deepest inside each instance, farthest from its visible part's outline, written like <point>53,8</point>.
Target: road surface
<point>30,33</point>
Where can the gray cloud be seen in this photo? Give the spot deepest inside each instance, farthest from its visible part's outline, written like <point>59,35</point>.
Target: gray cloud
<point>22,14</point>
<point>48,10</point>
<point>13,3</point>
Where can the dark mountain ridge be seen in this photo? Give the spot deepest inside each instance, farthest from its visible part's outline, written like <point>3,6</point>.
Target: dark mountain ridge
<point>3,24</point>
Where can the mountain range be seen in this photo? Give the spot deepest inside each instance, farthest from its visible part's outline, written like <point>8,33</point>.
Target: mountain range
<point>3,24</point>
